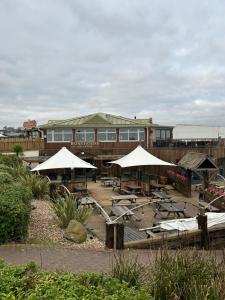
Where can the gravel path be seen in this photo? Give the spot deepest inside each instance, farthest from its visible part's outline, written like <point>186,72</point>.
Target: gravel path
<point>44,228</point>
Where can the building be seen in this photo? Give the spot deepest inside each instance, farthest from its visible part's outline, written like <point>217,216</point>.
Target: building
<point>198,135</point>
<point>100,137</point>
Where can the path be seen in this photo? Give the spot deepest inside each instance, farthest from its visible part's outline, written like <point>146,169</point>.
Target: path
<point>74,260</point>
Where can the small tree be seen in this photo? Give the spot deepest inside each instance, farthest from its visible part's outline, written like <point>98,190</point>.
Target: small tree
<point>18,149</point>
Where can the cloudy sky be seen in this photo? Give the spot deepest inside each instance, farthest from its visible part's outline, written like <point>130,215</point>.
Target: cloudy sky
<point>147,58</point>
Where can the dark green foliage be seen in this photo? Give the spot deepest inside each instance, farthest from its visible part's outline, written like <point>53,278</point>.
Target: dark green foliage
<point>27,283</point>
<point>10,160</point>
<point>5,177</point>
<point>14,213</point>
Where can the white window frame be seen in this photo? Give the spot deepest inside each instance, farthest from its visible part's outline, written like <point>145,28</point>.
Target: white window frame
<point>85,131</point>
<point>63,132</point>
<point>130,131</point>
<point>107,131</point>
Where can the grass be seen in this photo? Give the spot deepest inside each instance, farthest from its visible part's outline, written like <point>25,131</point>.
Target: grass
<point>182,275</point>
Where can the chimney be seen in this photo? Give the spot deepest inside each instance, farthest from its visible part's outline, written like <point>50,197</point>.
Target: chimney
<point>150,120</point>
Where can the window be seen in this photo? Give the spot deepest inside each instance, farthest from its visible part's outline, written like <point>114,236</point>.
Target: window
<point>59,135</point>
<point>85,135</point>
<point>132,134</point>
<point>163,134</point>
<point>106,134</point>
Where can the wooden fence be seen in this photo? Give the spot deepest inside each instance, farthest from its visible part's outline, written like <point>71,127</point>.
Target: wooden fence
<point>7,144</point>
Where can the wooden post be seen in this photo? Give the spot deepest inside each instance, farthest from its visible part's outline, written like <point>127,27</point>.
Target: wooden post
<point>189,174</point>
<point>114,236</point>
<point>202,225</point>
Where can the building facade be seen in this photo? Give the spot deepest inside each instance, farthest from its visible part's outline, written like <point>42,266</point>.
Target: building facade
<point>100,137</point>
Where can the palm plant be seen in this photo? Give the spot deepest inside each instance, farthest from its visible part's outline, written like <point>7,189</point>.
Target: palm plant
<point>68,208</point>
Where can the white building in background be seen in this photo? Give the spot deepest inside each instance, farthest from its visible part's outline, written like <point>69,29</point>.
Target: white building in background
<point>198,133</point>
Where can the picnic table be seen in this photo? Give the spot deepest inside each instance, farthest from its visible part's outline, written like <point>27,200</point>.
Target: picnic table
<point>90,201</point>
<point>108,182</point>
<point>107,178</point>
<point>81,190</point>
<point>168,207</point>
<point>158,186</point>
<point>135,189</point>
<point>160,195</point>
<point>123,211</point>
<point>117,199</point>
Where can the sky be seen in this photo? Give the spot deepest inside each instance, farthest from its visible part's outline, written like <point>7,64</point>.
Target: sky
<point>163,59</point>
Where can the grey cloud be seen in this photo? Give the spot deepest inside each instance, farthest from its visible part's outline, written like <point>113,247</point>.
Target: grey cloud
<point>160,59</point>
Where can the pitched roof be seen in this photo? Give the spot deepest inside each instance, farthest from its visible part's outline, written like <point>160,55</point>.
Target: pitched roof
<point>99,120</point>
<point>197,161</point>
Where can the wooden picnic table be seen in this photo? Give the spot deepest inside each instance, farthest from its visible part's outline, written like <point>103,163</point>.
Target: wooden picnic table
<point>108,182</point>
<point>87,201</point>
<point>81,190</point>
<point>158,186</point>
<point>108,178</point>
<point>123,211</point>
<point>168,207</point>
<point>117,199</point>
<point>160,195</point>
<point>134,189</point>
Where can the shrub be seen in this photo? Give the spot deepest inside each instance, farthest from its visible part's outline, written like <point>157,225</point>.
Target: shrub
<point>5,177</point>
<point>26,282</point>
<point>18,149</point>
<point>128,270</point>
<point>14,213</point>
<point>10,160</point>
<point>68,208</point>
<point>187,275</point>
<point>38,185</point>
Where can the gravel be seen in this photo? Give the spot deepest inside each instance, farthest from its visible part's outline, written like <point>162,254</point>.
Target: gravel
<point>44,228</point>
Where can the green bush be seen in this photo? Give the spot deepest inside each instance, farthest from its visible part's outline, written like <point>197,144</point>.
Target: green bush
<point>18,149</point>
<point>10,160</point>
<point>68,208</point>
<point>14,213</point>
<point>27,283</point>
<point>38,185</point>
<point>5,177</point>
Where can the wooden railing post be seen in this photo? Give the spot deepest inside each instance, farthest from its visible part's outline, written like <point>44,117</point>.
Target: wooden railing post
<point>202,225</point>
<point>114,236</point>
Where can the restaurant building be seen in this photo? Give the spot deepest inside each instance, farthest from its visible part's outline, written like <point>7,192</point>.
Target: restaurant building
<point>100,137</point>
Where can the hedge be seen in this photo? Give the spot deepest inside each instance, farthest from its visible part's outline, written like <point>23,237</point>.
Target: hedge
<point>14,213</point>
<point>25,282</point>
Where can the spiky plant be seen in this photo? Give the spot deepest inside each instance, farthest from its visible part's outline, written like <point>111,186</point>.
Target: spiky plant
<point>68,208</point>
<point>38,185</point>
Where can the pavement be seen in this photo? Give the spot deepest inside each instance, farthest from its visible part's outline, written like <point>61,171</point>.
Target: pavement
<point>58,258</point>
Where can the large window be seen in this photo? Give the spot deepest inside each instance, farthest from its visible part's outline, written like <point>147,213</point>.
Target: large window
<point>132,134</point>
<point>85,135</point>
<point>163,134</point>
<point>59,135</point>
<point>106,134</point>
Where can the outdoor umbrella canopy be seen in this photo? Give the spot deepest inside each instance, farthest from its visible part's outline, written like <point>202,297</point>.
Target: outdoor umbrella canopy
<point>63,159</point>
<point>140,157</point>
